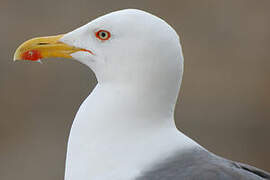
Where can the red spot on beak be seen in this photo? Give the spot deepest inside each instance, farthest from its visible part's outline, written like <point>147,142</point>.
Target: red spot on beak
<point>31,55</point>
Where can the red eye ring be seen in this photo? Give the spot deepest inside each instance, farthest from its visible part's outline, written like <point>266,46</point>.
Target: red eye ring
<point>103,35</point>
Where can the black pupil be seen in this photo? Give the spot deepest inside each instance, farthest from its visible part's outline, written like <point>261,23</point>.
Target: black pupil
<point>103,34</point>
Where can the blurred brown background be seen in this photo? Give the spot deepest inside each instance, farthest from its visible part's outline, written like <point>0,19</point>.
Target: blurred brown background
<point>224,102</point>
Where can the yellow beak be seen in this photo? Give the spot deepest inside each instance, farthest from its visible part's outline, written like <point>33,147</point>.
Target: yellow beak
<point>45,47</point>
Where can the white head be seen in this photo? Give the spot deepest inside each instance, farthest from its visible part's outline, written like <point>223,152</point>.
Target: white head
<point>141,47</point>
<point>140,50</point>
<point>127,47</point>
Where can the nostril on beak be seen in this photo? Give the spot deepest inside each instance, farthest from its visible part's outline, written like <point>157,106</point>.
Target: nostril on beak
<point>43,43</point>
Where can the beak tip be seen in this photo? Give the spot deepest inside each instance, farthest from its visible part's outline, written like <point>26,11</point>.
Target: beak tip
<point>16,56</point>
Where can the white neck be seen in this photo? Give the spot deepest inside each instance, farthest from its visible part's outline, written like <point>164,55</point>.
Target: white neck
<point>119,131</point>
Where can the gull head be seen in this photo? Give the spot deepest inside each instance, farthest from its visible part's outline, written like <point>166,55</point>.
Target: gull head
<point>129,47</point>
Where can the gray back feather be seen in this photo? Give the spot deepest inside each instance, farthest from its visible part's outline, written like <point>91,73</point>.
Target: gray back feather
<point>199,164</point>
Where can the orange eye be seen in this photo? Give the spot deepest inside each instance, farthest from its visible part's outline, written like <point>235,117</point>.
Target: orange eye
<point>103,35</point>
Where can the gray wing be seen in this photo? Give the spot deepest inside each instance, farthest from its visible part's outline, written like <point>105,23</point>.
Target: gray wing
<point>254,170</point>
<point>198,164</point>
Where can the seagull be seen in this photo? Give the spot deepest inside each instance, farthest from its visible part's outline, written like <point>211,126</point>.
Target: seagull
<point>125,128</point>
